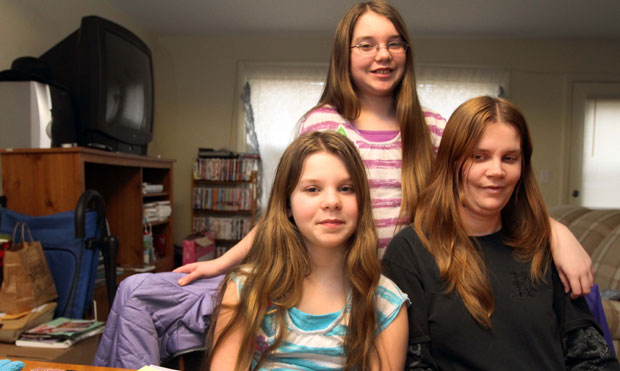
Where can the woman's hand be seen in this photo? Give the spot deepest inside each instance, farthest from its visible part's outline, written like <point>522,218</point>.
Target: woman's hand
<point>572,261</point>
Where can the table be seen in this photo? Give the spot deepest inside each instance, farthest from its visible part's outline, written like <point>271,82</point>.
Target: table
<point>81,353</point>
<point>49,366</point>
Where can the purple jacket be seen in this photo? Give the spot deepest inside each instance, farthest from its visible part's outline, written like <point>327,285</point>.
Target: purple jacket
<point>153,318</point>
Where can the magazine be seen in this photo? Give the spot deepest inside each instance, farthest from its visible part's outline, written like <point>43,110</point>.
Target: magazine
<point>60,333</point>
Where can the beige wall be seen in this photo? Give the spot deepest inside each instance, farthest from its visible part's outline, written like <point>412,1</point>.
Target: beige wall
<point>30,27</point>
<point>195,94</point>
<point>195,80</point>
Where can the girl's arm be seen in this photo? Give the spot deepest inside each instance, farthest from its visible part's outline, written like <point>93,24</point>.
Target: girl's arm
<point>391,343</point>
<point>225,354</point>
<point>221,265</point>
<point>572,260</point>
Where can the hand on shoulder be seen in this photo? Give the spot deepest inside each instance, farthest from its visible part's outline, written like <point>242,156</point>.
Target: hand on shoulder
<point>572,261</point>
<point>198,270</point>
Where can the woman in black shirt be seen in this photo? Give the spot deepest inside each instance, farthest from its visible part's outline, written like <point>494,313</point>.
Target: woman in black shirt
<point>476,262</point>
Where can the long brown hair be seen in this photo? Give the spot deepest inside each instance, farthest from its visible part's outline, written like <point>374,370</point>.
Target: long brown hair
<point>525,222</point>
<point>339,92</point>
<point>278,261</point>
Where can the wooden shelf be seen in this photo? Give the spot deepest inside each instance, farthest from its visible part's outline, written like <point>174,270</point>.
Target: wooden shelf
<point>230,183</point>
<point>157,223</point>
<point>229,212</point>
<point>250,214</point>
<point>155,195</point>
<point>43,181</point>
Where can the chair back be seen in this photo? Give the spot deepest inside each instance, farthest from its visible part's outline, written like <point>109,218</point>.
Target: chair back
<point>73,265</point>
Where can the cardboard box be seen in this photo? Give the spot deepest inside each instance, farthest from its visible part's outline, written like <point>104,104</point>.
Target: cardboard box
<point>198,246</point>
<point>11,328</point>
<point>82,353</point>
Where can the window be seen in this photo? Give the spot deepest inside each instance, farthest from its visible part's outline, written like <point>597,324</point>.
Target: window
<point>595,156</point>
<point>276,95</point>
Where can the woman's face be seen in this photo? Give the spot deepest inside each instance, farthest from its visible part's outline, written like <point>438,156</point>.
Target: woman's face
<point>376,74</point>
<point>491,173</point>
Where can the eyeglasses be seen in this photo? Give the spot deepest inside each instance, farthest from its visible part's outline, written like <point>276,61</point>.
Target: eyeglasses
<point>394,47</point>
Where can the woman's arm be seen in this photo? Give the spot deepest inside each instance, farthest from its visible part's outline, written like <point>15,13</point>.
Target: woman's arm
<point>218,266</point>
<point>400,265</point>
<point>586,349</point>
<point>391,343</point>
<point>226,353</point>
<point>572,260</point>
<point>417,352</point>
<point>583,342</point>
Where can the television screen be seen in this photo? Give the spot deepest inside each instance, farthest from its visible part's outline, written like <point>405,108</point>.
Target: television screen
<point>128,86</point>
<point>108,73</point>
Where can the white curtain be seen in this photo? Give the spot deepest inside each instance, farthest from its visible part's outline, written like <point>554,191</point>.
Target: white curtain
<point>443,88</point>
<point>280,94</point>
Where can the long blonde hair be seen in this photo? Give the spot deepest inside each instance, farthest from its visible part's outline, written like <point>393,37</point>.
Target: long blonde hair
<point>525,221</point>
<point>339,92</point>
<point>279,261</point>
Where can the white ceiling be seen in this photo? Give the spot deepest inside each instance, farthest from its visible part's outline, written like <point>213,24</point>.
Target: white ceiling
<point>509,19</point>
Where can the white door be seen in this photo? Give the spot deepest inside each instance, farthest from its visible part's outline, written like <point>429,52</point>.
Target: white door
<point>594,174</point>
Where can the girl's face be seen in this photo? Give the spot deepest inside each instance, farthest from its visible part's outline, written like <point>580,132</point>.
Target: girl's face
<point>323,203</point>
<point>491,174</point>
<point>376,74</point>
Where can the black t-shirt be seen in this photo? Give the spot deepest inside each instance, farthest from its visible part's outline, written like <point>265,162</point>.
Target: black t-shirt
<point>527,323</point>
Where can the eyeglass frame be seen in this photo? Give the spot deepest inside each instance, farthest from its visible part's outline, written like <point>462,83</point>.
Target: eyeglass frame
<point>378,47</point>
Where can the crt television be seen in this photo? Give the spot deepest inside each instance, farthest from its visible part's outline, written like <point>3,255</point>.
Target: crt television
<point>108,73</point>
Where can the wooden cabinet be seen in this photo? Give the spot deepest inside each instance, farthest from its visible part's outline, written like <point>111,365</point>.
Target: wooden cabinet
<point>50,180</point>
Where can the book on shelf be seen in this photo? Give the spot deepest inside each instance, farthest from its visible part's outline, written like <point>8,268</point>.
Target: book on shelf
<point>60,333</point>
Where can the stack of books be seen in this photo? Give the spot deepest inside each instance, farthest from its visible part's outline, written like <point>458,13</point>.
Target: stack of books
<point>12,325</point>
<point>224,165</point>
<point>60,333</point>
<point>222,198</point>
<point>157,211</point>
<point>224,228</point>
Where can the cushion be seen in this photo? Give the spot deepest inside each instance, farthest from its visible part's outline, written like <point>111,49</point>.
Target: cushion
<point>612,314</point>
<point>606,261</point>
<point>566,214</point>
<point>592,228</point>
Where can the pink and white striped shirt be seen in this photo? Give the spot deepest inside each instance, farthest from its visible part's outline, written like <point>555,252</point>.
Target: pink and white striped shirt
<point>383,162</point>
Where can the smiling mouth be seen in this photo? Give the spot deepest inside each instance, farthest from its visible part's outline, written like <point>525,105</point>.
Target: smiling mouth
<point>383,71</point>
